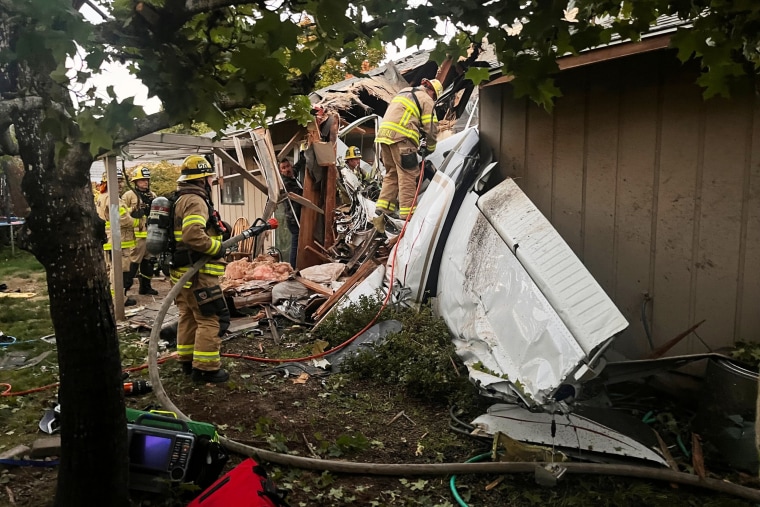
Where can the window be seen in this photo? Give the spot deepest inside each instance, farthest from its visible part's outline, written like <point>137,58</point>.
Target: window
<point>233,184</point>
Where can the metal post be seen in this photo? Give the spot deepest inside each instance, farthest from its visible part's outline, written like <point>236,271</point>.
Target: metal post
<point>7,194</point>
<point>117,279</point>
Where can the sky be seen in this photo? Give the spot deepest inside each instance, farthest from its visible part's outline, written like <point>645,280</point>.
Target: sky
<point>116,75</point>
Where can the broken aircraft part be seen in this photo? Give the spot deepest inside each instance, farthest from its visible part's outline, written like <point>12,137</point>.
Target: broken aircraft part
<point>525,312</point>
<point>575,434</point>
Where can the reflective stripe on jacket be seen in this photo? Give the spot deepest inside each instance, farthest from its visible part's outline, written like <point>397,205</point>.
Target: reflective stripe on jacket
<point>126,222</point>
<point>193,231</point>
<point>404,120</point>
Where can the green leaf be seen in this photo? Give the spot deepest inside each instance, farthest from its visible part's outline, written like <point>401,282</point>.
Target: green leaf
<point>477,75</point>
<point>302,60</point>
<point>59,75</point>
<point>99,140</point>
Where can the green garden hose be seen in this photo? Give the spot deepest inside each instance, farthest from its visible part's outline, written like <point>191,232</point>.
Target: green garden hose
<point>452,481</point>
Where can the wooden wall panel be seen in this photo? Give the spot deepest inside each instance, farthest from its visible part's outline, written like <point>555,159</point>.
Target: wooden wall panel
<point>539,154</point>
<point>490,127</point>
<point>671,194</point>
<point>633,211</point>
<point>568,174</point>
<point>603,118</point>
<point>512,141</point>
<point>669,311</point>
<point>748,315</point>
<point>716,258</point>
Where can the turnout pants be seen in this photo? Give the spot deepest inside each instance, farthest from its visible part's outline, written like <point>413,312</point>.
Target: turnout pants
<point>399,184</point>
<point>199,330</point>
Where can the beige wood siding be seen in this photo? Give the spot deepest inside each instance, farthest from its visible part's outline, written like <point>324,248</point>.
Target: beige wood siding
<point>656,190</point>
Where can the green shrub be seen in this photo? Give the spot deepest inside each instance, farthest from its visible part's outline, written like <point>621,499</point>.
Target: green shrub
<point>420,360</point>
<point>341,325</point>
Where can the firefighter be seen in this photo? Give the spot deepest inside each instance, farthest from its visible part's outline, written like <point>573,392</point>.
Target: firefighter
<point>126,227</point>
<point>138,199</point>
<point>410,114</point>
<point>203,313</point>
<point>353,160</point>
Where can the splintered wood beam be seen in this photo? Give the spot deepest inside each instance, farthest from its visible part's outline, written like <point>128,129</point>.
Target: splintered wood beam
<point>331,192</point>
<point>314,286</point>
<point>240,169</point>
<point>361,273</point>
<point>239,151</point>
<point>312,192</point>
<point>289,145</point>
<point>305,202</point>
<point>443,71</point>
<point>272,325</point>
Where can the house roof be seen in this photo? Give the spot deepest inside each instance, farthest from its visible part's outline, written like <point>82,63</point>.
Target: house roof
<point>157,147</point>
<point>656,38</point>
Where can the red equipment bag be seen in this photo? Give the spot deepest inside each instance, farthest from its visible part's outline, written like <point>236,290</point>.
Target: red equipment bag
<point>246,485</point>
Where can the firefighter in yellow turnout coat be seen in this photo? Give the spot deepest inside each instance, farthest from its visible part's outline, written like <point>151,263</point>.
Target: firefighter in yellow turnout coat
<point>126,229</point>
<point>410,113</point>
<point>203,313</point>
<point>138,200</point>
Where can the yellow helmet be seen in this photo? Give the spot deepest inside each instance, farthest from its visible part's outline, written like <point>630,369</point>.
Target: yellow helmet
<point>141,173</point>
<point>195,167</point>
<point>435,85</point>
<point>353,152</point>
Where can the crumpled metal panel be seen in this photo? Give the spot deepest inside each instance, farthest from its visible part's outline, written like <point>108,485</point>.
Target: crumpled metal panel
<point>579,300</point>
<point>529,318</point>
<point>412,259</point>
<point>573,431</point>
<point>499,318</point>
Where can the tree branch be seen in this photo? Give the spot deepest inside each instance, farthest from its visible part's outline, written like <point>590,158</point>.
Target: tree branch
<point>8,144</point>
<point>193,7</point>
<point>161,120</point>
<point>11,107</point>
<point>144,126</point>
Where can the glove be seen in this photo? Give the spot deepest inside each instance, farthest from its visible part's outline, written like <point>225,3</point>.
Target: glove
<point>423,150</point>
<point>138,213</point>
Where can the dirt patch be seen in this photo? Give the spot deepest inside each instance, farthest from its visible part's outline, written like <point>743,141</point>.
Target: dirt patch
<point>33,282</point>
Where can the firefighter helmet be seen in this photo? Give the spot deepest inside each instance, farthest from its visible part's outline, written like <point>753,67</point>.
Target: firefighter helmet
<point>353,152</point>
<point>195,167</point>
<point>119,175</point>
<point>435,85</point>
<point>141,173</point>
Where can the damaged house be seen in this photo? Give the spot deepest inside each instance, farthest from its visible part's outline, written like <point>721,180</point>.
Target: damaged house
<point>615,238</point>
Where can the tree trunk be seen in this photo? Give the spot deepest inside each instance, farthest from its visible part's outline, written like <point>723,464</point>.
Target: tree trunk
<point>63,232</point>
<point>65,235</point>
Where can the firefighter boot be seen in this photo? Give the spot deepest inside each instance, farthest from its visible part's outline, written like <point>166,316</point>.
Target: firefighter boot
<point>216,376</point>
<point>129,276</point>
<point>147,267</point>
<point>145,288</point>
<point>128,301</point>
